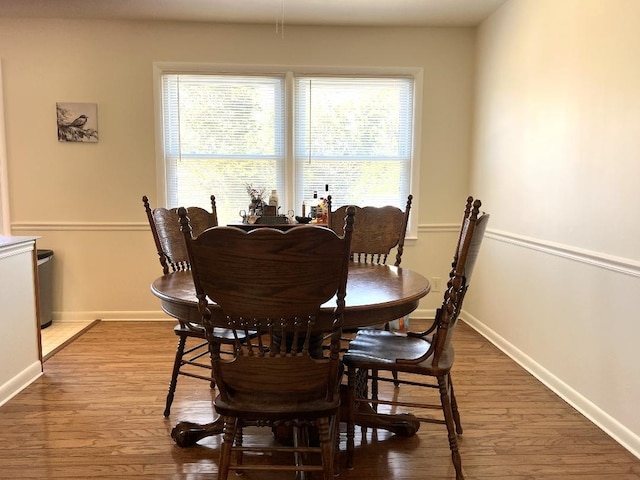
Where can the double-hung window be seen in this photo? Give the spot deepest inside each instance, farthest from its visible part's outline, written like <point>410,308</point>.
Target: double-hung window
<point>348,135</point>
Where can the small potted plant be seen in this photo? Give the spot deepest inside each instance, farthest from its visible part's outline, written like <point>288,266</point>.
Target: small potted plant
<point>256,195</point>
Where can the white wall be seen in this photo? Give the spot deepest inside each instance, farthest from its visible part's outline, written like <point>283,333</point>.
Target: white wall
<point>19,350</point>
<point>557,142</point>
<point>85,199</point>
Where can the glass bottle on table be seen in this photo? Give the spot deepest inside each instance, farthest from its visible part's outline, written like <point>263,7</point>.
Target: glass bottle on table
<point>314,207</point>
<point>274,201</point>
<point>326,205</point>
<point>317,201</point>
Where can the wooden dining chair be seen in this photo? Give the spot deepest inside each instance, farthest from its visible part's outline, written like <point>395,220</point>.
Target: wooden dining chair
<point>428,354</point>
<point>172,253</point>
<point>274,283</point>
<point>377,231</point>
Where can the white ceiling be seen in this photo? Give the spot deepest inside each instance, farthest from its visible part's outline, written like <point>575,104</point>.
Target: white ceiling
<point>300,12</point>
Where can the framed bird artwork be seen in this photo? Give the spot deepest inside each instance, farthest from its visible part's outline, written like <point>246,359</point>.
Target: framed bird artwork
<point>77,122</point>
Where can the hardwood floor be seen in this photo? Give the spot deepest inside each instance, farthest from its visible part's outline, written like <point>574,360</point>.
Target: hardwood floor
<point>96,413</point>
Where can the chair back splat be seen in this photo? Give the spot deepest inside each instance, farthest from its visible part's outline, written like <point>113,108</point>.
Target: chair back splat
<point>472,233</point>
<point>377,230</point>
<point>270,286</point>
<point>165,227</point>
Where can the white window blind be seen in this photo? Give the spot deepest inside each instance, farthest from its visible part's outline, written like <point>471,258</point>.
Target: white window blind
<point>355,135</point>
<point>221,132</point>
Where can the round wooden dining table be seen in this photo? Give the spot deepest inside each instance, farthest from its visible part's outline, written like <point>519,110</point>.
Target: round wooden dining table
<point>375,294</point>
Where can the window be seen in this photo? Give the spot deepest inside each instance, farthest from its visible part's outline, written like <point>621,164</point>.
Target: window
<point>354,134</point>
<point>294,131</point>
<point>221,132</point>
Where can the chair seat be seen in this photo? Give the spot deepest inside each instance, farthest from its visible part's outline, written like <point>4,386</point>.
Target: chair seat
<point>379,350</point>
<point>197,331</point>
<point>190,330</point>
<point>271,407</point>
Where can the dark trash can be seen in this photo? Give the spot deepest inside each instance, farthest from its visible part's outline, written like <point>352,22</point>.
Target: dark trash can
<point>45,286</point>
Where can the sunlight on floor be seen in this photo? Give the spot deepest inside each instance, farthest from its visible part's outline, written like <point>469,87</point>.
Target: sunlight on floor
<point>55,335</point>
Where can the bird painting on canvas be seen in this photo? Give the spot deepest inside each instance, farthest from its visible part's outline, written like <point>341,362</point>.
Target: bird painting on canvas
<point>77,122</point>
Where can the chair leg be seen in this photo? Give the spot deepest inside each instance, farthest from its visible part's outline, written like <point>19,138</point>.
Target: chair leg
<point>443,386</point>
<point>177,363</point>
<point>454,408</point>
<point>351,414</point>
<point>374,389</point>
<point>300,440</point>
<point>225,449</point>
<point>335,425</point>
<point>327,446</point>
<point>362,391</point>
<point>212,384</point>
<point>238,441</point>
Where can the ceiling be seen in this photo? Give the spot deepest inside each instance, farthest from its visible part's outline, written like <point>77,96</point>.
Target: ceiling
<point>289,12</point>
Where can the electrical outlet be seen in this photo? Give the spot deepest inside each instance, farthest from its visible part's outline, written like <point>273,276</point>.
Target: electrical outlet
<point>435,284</point>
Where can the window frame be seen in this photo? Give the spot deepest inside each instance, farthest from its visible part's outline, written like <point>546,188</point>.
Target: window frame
<point>289,72</point>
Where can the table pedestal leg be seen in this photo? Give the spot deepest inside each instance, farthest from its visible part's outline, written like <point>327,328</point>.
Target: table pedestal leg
<point>403,425</point>
<point>187,434</point>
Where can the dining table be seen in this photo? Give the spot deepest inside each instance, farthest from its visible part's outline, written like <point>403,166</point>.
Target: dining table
<point>252,226</point>
<point>375,294</point>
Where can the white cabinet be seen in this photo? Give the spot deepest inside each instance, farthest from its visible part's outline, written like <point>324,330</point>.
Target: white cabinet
<point>20,357</point>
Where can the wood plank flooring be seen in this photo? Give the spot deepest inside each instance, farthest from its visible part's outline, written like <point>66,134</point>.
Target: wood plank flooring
<point>96,413</point>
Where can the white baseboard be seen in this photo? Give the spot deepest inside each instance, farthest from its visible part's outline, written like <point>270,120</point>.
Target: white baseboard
<point>153,315</point>
<point>595,414</point>
<point>21,381</point>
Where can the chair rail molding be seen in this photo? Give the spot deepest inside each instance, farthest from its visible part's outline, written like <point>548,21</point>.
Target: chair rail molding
<point>439,227</point>
<point>79,226</point>
<point>626,266</point>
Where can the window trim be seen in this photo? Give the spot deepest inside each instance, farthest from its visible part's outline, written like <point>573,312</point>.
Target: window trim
<point>288,71</point>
